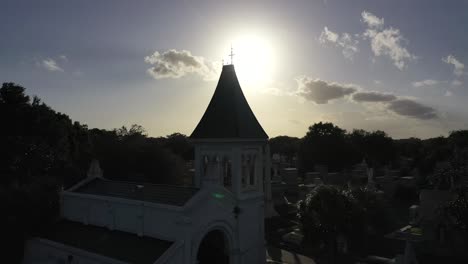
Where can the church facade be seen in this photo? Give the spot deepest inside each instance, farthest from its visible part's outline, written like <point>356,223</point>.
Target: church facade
<point>220,219</point>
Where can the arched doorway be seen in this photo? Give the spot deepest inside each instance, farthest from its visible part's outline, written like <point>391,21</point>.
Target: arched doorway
<point>213,249</point>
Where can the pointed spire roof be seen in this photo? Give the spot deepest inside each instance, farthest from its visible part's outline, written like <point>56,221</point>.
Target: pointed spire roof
<point>228,115</point>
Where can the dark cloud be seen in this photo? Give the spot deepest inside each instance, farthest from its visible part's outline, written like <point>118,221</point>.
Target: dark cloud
<point>321,92</point>
<point>174,64</point>
<point>410,108</point>
<point>373,97</point>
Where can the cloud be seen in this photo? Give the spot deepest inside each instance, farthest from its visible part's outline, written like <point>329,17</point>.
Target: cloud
<point>328,36</point>
<point>373,97</point>
<point>371,20</point>
<point>386,41</point>
<point>345,41</point>
<point>427,82</point>
<point>175,64</point>
<point>458,66</point>
<point>320,91</point>
<point>51,65</point>
<point>448,93</point>
<point>410,108</point>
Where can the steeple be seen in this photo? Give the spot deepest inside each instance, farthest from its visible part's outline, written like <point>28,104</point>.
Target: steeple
<point>231,147</point>
<point>228,114</point>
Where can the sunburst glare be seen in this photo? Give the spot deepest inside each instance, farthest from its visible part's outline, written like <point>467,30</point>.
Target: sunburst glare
<point>254,60</point>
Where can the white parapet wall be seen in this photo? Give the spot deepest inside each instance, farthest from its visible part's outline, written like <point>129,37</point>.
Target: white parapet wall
<point>123,214</point>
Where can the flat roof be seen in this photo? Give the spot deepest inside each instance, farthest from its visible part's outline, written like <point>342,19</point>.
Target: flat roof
<point>155,193</point>
<point>113,244</point>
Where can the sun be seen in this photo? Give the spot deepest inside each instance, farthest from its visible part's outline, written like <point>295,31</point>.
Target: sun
<point>253,60</point>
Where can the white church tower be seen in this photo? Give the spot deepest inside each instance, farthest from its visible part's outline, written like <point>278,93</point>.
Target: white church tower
<point>231,150</point>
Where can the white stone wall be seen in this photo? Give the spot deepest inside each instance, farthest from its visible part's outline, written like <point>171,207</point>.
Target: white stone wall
<point>141,218</point>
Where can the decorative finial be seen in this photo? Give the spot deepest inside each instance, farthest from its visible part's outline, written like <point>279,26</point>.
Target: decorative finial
<point>232,55</point>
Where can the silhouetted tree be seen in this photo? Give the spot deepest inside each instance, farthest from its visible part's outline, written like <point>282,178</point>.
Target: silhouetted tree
<point>459,139</point>
<point>448,175</point>
<point>375,215</point>
<point>376,147</point>
<point>40,150</point>
<point>457,210</point>
<point>328,212</point>
<point>128,154</point>
<point>284,145</point>
<point>134,131</point>
<point>179,144</point>
<point>410,147</point>
<point>324,144</point>
<point>434,150</point>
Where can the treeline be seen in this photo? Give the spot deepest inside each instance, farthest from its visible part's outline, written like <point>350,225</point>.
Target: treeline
<point>39,142</point>
<point>129,154</point>
<point>338,149</point>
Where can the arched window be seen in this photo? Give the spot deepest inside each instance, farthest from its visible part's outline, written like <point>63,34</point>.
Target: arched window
<point>244,170</point>
<point>252,170</point>
<point>248,161</point>
<point>205,162</point>
<point>227,172</point>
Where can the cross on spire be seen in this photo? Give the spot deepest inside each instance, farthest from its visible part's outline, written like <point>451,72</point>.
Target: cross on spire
<point>232,55</point>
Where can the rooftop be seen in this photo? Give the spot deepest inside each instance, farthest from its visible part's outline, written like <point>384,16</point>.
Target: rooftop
<point>155,193</point>
<point>114,244</point>
<point>228,114</point>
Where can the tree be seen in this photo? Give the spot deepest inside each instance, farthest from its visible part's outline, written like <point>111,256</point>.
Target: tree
<point>134,131</point>
<point>40,150</point>
<point>128,154</point>
<point>12,94</point>
<point>434,150</point>
<point>447,175</point>
<point>178,143</point>
<point>324,144</point>
<point>284,145</point>
<point>376,146</point>
<point>459,139</point>
<point>328,212</point>
<point>457,210</point>
<point>373,206</point>
<point>410,147</point>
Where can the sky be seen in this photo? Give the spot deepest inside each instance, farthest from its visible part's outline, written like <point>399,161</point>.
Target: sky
<point>396,66</point>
